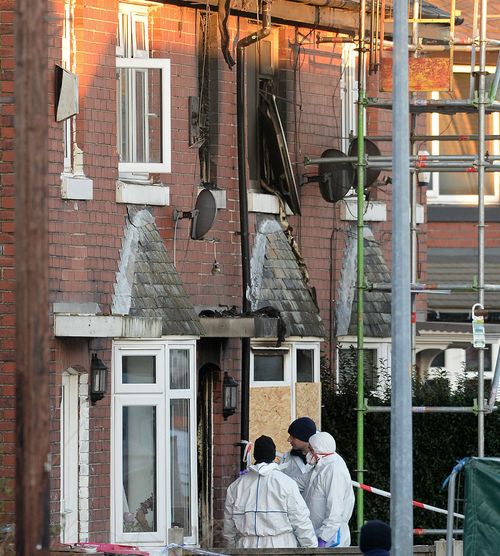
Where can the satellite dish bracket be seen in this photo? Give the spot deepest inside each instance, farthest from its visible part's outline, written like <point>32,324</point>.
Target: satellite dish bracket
<point>181,214</point>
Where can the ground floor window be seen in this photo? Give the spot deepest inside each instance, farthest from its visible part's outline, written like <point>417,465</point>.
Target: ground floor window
<point>154,441</point>
<point>376,361</point>
<point>287,364</point>
<point>285,384</point>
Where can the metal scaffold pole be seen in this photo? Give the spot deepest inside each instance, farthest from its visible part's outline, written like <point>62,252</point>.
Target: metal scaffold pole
<point>401,415</point>
<point>360,265</point>
<point>480,224</point>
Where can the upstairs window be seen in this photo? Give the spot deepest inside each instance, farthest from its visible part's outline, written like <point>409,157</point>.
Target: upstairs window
<point>66,64</point>
<point>461,188</point>
<point>349,95</point>
<point>143,97</point>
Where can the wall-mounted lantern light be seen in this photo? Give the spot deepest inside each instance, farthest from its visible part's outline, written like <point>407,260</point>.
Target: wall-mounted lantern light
<point>98,379</point>
<point>229,396</point>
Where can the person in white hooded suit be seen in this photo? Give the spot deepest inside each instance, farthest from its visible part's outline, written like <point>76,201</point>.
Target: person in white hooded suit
<point>328,492</point>
<point>264,508</point>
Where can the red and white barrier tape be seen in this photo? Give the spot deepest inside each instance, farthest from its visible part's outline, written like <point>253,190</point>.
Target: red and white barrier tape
<point>415,503</point>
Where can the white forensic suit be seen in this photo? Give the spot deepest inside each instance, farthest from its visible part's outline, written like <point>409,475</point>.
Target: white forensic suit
<point>264,509</point>
<point>294,466</point>
<point>328,492</point>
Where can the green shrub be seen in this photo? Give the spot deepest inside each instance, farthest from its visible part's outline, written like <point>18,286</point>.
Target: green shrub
<point>439,440</point>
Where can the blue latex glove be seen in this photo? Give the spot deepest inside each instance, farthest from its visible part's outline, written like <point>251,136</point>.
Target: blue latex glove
<point>321,543</point>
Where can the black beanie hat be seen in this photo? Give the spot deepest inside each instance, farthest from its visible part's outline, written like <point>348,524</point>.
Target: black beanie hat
<point>375,534</point>
<point>264,449</point>
<point>302,428</point>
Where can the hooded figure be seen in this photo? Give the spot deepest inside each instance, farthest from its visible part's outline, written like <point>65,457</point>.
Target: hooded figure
<point>264,508</point>
<point>375,538</point>
<point>328,492</point>
<point>293,462</point>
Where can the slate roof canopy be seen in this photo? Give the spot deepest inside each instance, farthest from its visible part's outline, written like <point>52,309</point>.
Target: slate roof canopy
<point>278,282</point>
<point>147,284</point>
<point>377,304</point>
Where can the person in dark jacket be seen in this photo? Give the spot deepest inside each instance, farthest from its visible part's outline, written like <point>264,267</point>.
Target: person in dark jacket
<point>293,463</point>
<point>375,538</point>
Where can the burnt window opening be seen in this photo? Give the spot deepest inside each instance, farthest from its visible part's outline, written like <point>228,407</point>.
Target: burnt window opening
<point>204,109</point>
<point>270,168</point>
<point>276,172</point>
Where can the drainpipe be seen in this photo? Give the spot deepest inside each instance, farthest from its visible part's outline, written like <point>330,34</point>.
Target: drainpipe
<point>242,178</point>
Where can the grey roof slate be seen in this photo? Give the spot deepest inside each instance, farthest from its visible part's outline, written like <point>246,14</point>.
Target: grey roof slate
<point>377,304</point>
<point>460,266</point>
<point>147,284</point>
<point>278,282</point>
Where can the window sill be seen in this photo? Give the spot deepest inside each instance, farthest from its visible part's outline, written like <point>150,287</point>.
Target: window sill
<point>133,194</point>
<point>264,203</point>
<point>78,188</point>
<point>375,211</point>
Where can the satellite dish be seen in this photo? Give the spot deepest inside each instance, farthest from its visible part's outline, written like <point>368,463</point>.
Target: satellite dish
<point>371,149</point>
<point>335,178</point>
<point>204,213</point>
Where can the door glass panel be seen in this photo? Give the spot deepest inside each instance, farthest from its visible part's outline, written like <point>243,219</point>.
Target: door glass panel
<point>180,468</point>
<point>138,369</point>
<point>179,369</point>
<point>139,469</point>
<point>305,365</point>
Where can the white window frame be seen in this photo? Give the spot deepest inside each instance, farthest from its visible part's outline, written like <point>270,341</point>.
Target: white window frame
<point>149,537</point>
<point>133,388</point>
<point>128,55</point>
<point>433,195</point>
<point>159,395</point>
<point>289,350</point>
<point>286,366</point>
<point>382,346</point>
<point>66,64</point>
<point>162,64</point>
<point>312,346</point>
<point>187,394</point>
<point>126,44</point>
<point>349,94</point>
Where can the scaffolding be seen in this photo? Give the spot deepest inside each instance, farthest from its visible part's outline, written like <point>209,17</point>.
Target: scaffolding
<point>400,36</point>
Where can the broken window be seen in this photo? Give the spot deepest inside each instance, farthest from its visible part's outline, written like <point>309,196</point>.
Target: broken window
<point>270,168</point>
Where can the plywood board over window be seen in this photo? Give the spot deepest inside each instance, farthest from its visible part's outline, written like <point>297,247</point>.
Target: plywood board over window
<point>308,401</point>
<point>270,414</point>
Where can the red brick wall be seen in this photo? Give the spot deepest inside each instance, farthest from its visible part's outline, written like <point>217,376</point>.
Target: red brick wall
<point>86,236</point>
<point>461,234</point>
<point>7,273</point>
